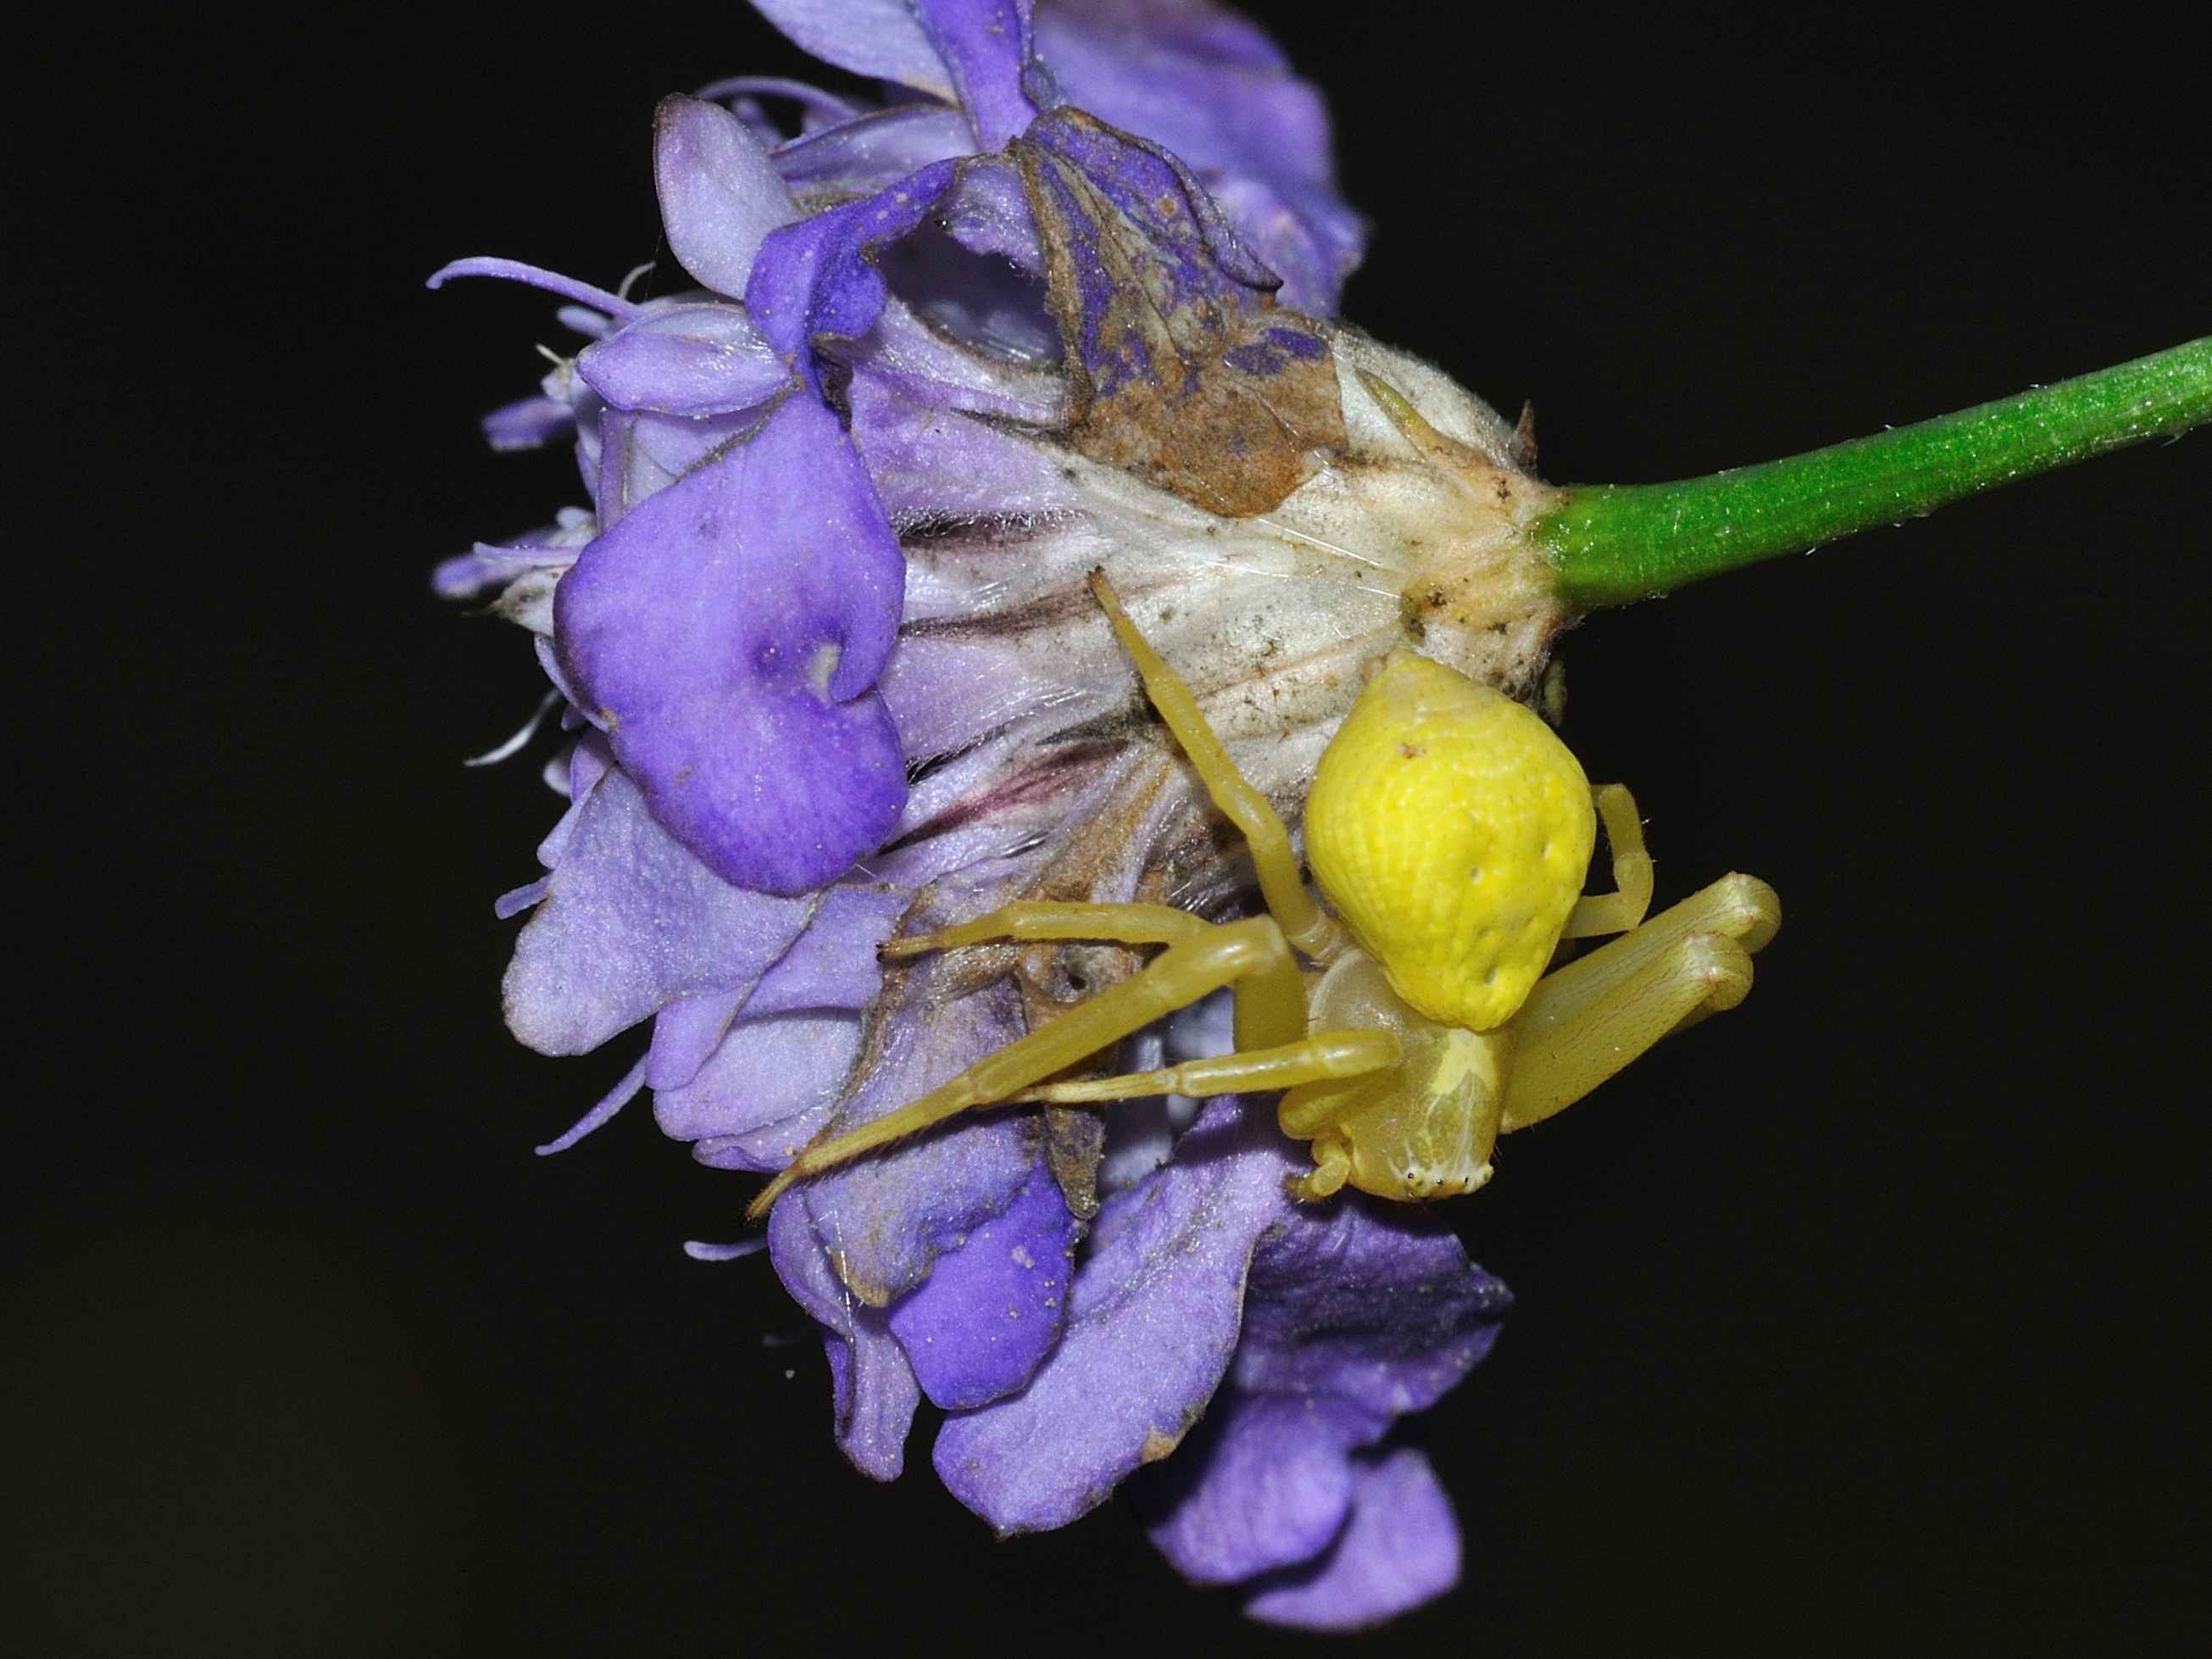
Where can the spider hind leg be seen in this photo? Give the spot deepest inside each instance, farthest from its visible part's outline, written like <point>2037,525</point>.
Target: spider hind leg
<point>1250,957</point>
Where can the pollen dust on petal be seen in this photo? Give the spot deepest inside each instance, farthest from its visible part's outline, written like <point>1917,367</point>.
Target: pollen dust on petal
<point>1157,1446</point>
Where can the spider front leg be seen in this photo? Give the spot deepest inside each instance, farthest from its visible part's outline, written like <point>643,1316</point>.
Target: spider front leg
<point>1584,1023</point>
<point>1619,911</point>
<point>1304,922</point>
<point>1250,956</point>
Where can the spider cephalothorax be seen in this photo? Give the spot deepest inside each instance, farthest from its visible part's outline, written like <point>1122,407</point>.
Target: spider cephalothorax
<point>1450,831</point>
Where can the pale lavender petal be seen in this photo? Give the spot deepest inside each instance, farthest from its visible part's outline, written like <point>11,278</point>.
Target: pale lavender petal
<point>726,631</point>
<point>582,319</point>
<point>583,767</point>
<point>906,349</point>
<point>589,409</point>
<point>879,38</point>
<point>1153,1319</point>
<point>930,462</point>
<point>519,738</point>
<point>464,575</point>
<point>946,695</point>
<point>985,44</point>
<point>993,1305</point>
<point>611,1102</point>
<point>889,1216</point>
<point>871,152</point>
<point>766,1089</point>
<point>833,963</point>
<point>485,566</point>
<point>1266,1482</point>
<point>690,360</point>
<point>720,195</point>
<point>642,452</point>
<point>874,1390</point>
<point>516,899</point>
<point>630,921</point>
<point>988,212</point>
<point>823,108</point>
<point>551,664</point>
<point>1399,1548</point>
<point>974,853</point>
<point>1012,804</point>
<point>768,1072</point>
<point>685,1034</point>
<point>527,424</point>
<point>513,270</point>
<point>527,601</point>
<point>700,1250</point>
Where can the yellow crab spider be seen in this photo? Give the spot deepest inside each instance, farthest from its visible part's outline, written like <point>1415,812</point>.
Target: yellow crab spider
<point>1450,831</point>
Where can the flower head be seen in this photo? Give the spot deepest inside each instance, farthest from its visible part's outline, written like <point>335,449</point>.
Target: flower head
<point>1063,300</point>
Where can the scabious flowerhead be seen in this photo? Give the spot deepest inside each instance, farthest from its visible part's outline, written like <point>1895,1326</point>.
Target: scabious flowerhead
<point>1060,298</point>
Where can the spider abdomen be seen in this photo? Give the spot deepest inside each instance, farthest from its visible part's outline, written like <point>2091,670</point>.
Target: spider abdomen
<point>1452,831</point>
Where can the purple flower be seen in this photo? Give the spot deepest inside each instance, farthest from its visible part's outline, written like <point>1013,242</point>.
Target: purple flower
<point>1063,300</point>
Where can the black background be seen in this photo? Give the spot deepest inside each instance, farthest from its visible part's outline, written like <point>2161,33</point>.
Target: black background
<point>1862,1319</point>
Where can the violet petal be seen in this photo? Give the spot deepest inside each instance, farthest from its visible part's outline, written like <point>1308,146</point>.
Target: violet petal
<point>988,211</point>
<point>929,461</point>
<point>985,44</point>
<point>1354,1313</point>
<point>720,195</point>
<point>1265,1482</point>
<point>1373,1302</point>
<point>946,695</point>
<point>815,281</point>
<point>513,270</point>
<point>993,1306</point>
<point>1152,1324</point>
<point>1399,1548</point>
<point>726,630</point>
<point>485,566</point>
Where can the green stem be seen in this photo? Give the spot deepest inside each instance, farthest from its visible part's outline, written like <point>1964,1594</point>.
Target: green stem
<point>1611,544</point>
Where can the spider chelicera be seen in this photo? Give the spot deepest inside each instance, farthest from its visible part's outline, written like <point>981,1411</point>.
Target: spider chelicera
<point>1450,832</point>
